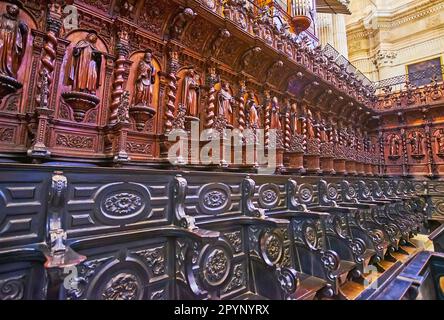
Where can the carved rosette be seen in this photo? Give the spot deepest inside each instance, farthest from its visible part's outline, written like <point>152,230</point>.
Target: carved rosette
<point>216,267</point>
<point>272,248</point>
<point>123,286</point>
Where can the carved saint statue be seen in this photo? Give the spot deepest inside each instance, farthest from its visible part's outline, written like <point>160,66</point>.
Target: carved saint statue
<point>145,80</point>
<point>416,143</point>
<point>85,65</point>
<point>294,118</point>
<point>275,115</point>
<point>440,141</point>
<point>394,145</point>
<point>13,39</point>
<point>225,101</point>
<point>310,125</point>
<point>190,90</point>
<point>253,111</point>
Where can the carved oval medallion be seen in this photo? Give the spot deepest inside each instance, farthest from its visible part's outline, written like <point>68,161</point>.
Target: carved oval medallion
<point>310,233</point>
<point>272,248</point>
<point>216,267</point>
<point>214,198</point>
<point>122,203</point>
<point>306,193</point>
<point>332,192</point>
<point>269,195</point>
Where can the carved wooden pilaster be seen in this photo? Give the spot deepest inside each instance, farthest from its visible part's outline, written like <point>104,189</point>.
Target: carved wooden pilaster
<point>121,126</point>
<point>53,27</point>
<point>44,108</point>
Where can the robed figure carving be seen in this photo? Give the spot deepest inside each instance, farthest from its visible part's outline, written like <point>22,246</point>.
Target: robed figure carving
<point>13,39</point>
<point>394,146</point>
<point>85,65</point>
<point>190,92</point>
<point>145,80</point>
<point>416,143</point>
<point>224,102</point>
<point>275,115</point>
<point>253,111</point>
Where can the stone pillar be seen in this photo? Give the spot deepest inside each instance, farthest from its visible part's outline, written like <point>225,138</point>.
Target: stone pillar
<point>340,34</point>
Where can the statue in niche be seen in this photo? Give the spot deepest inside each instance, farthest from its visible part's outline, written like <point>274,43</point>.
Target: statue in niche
<point>439,136</point>
<point>394,146</point>
<point>190,92</point>
<point>416,140</point>
<point>145,80</point>
<point>275,115</point>
<point>225,102</point>
<point>310,125</point>
<point>85,65</point>
<point>252,111</point>
<point>13,39</point>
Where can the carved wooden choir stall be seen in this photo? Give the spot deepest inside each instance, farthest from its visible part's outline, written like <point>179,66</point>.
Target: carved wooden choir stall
<point>92,93</point>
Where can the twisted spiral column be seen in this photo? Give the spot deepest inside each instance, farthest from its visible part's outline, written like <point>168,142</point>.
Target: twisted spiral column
<point>119,79</point>
<point>287,133</point>
<point>49,56</point>
<point>242,106</point>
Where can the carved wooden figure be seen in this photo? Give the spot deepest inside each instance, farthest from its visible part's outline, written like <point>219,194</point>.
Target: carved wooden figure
<point>190,94</point>
<point>252,112</point>
<point>225,102</point>
<point>275,115</point>
<point>13,38</point>
<point>145,80</point>
<point>84,66</point>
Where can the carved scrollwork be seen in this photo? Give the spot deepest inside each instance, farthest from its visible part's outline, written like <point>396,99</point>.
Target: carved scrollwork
<point>155,259</point>
<point>288,280</point>
<point>312,234</point>
<point>358,248</point>
<point>238,279</point>
<point>12,288</point>
<point>248,188</point>
<point>235,239</point>
<point>179,195</point>
<point>330,261</point>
